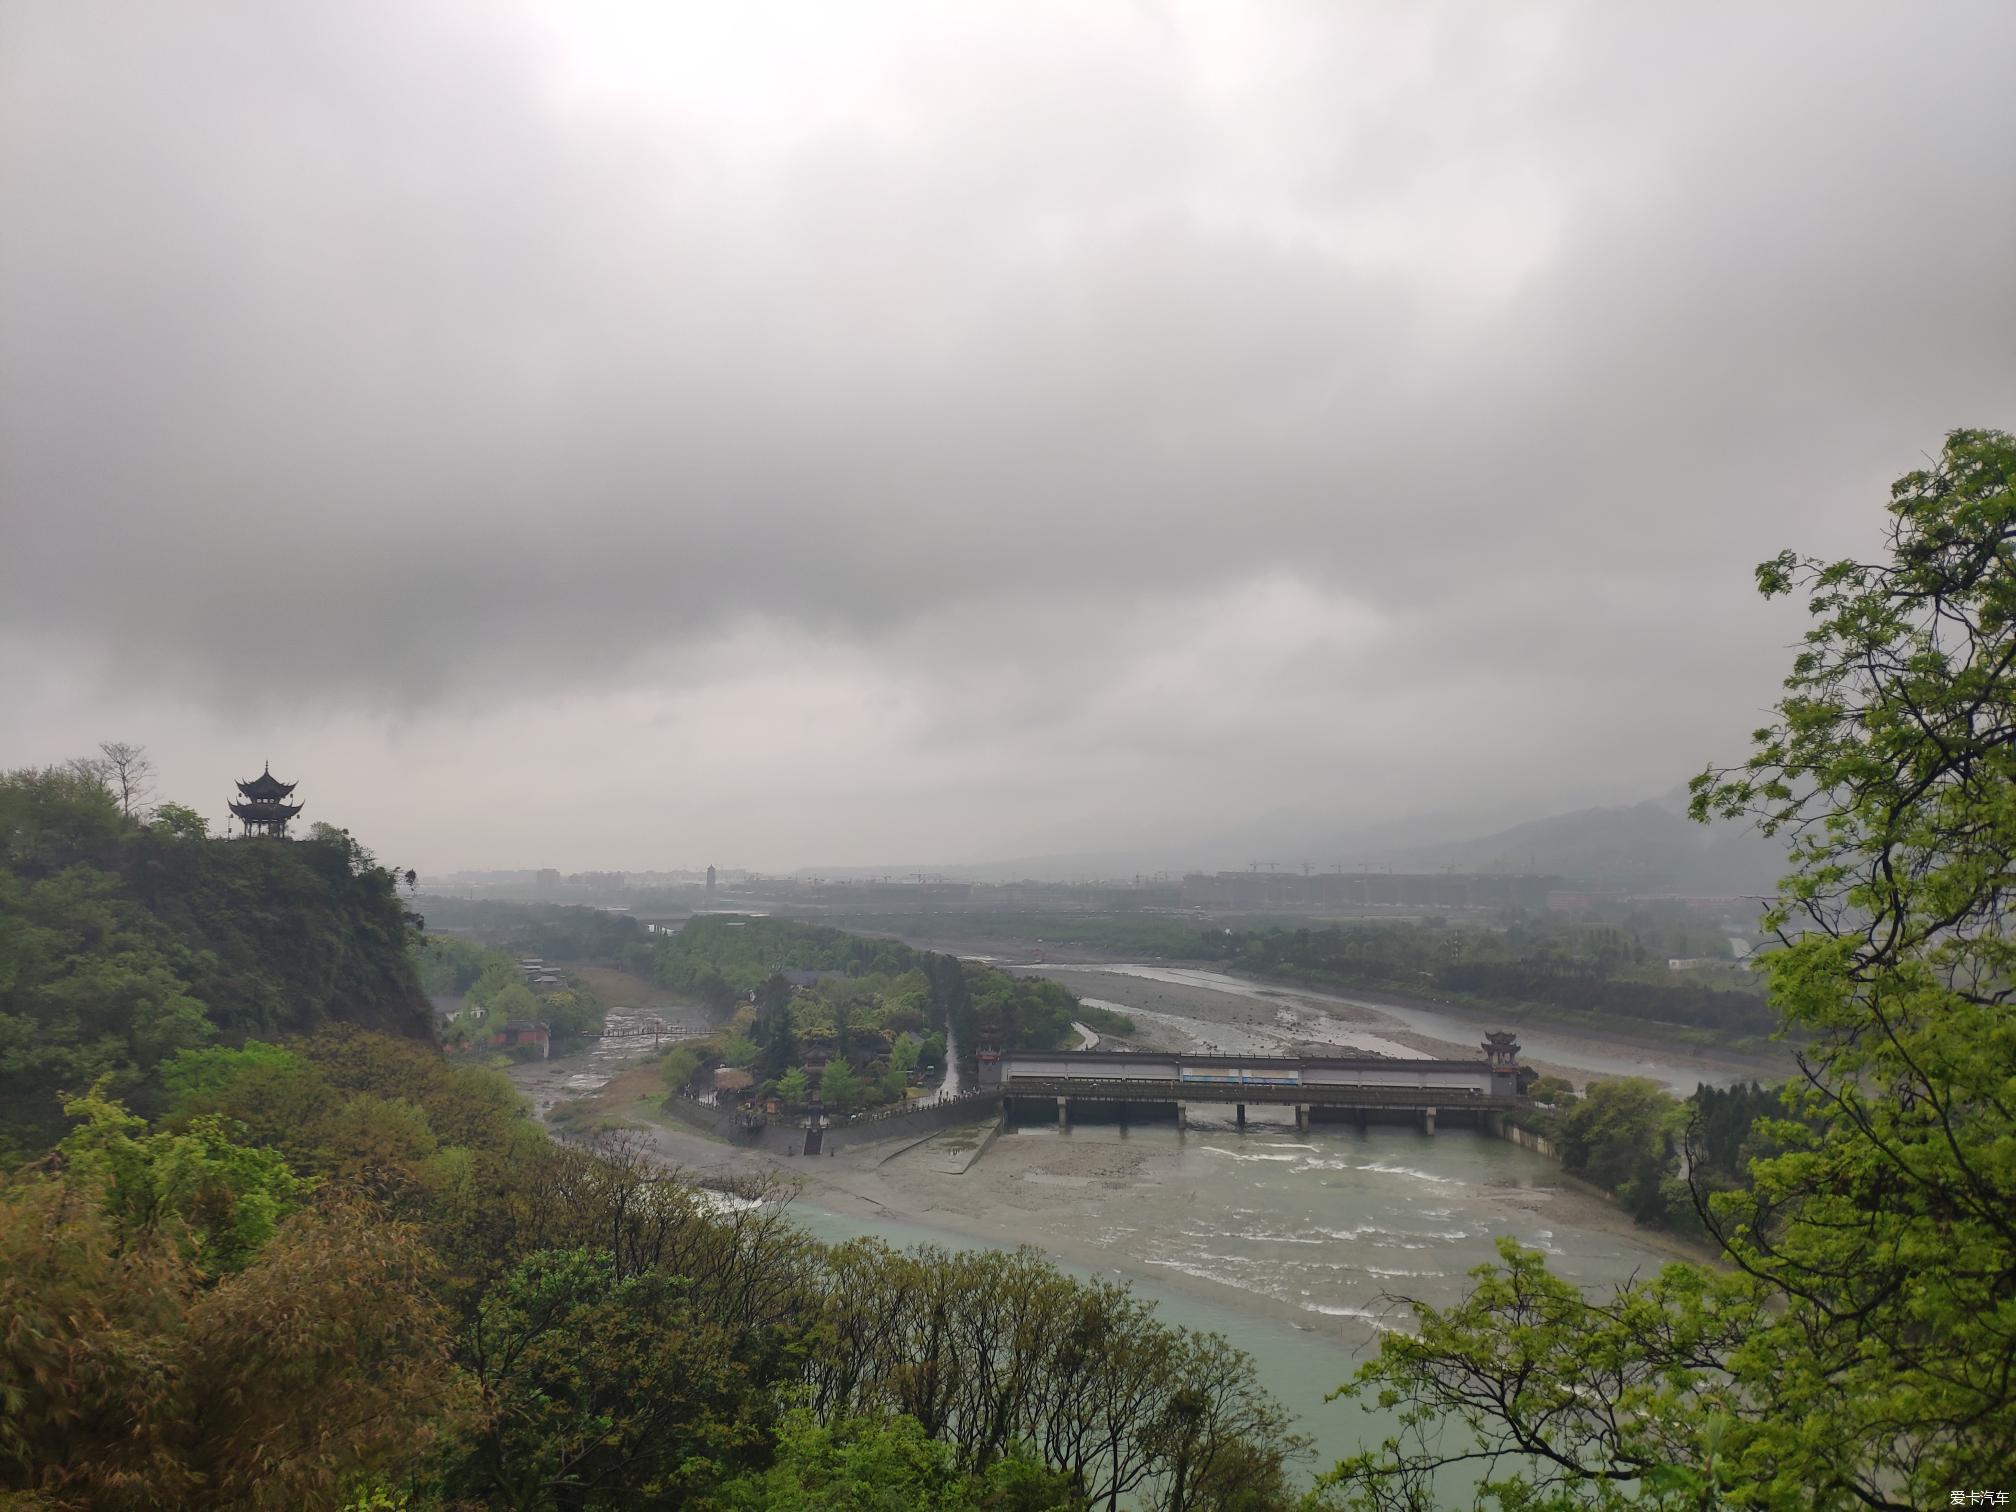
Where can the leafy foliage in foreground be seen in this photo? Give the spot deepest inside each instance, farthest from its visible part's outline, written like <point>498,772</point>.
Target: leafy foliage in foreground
<point>1858,1353</point>
<point>889,1463</point>
<point>344,1268</point>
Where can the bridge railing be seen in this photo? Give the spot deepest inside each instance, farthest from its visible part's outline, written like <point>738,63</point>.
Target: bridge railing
<point>1137,1090</point>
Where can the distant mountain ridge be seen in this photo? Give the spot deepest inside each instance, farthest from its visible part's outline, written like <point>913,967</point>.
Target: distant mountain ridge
<point>1650,846</point>
<point>1642,847</point>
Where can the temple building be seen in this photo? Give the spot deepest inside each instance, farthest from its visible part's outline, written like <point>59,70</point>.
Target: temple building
<point>264,809</point>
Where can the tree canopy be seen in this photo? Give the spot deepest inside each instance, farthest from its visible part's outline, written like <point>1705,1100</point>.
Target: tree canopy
<point>337,1269</point>
<point>122,943</point>
<point>1856,1351</point>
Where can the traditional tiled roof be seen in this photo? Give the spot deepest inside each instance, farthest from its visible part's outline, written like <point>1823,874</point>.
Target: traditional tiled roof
<point>266,788</point>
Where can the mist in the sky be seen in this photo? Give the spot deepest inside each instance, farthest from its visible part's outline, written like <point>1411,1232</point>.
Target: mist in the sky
<point>637,435</point>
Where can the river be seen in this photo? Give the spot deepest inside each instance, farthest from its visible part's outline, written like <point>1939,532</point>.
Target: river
<point>1294,1246</point>
<point>1234,1014</point>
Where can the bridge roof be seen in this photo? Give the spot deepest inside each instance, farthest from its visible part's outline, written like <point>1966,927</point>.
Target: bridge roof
<point>1254,1062</point>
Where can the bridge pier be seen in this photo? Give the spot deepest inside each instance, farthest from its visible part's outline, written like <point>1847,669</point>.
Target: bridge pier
<point>1241,1113</point>
<point>1428,1120</point>
<point>1001,1112</point>
<point>1063,1115</point>
<point>1182,1116</point>
<point>1301,1119</point>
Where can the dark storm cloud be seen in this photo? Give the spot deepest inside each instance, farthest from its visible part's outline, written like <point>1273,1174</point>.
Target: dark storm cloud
<point>388,341</point>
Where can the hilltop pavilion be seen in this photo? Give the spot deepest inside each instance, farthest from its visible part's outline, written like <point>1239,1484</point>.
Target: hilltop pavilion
<point>264,809</point>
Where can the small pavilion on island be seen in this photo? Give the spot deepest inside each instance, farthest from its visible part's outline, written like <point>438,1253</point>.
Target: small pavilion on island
<point>263,807</point>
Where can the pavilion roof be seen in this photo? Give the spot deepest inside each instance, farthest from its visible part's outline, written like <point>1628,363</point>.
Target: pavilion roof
<point>266,788</point>
<point>266,812</point>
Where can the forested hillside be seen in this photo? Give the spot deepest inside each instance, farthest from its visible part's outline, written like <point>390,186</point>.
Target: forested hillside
<point>122,942</point>
<point>344,1273</point>
<point>260,1256</point>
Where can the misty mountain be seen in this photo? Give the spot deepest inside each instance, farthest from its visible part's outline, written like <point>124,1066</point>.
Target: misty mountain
<point>1651,846</point>
<point>1644,847</point>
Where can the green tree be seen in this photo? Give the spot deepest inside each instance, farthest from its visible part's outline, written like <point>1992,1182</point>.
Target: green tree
<point>794,1087</point>
<point>195,1077</point>
<point>221,1198</point>
<point>1620,1135</point>
<point>134,1380</point>
<point>890,1465</point>
<point>572,1010</point>
<point>1858,1355</point>
<point>498,976</point>
<point>841,1088</point>
<point>600,1388</point>
<point>775,1032</point>
<point>1555,1091</point>
<point>514,1003</point>
<point>843,1008</point>
<point>449,966</point>
<point>680,1066</point>
<point>181,822</point>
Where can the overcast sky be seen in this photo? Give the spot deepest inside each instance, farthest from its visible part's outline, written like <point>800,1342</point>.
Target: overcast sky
<point>635,435</point>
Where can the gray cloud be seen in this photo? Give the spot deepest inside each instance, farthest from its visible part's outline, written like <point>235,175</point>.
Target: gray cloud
<point>1124,409</point>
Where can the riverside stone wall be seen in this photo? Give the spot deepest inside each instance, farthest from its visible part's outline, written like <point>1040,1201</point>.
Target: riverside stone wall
<point>1526,1139</point>
<point>785,1135</point>
<point>911,1123</point>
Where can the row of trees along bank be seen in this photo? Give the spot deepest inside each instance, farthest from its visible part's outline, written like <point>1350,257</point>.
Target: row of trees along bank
<point>1608,966</point>
<point>1656,1153</point>
<point>869,1009</point>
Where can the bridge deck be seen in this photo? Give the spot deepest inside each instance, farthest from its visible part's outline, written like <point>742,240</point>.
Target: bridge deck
<point>1132,1089</point>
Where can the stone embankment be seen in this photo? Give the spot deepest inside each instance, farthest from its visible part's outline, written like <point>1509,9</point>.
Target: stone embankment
<point>785,1133</point>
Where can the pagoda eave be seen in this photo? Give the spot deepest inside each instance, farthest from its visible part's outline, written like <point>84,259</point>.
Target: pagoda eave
<point>266,813</point>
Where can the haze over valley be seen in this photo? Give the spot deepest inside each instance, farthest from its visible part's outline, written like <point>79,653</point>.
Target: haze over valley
<point>1043,757</point>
